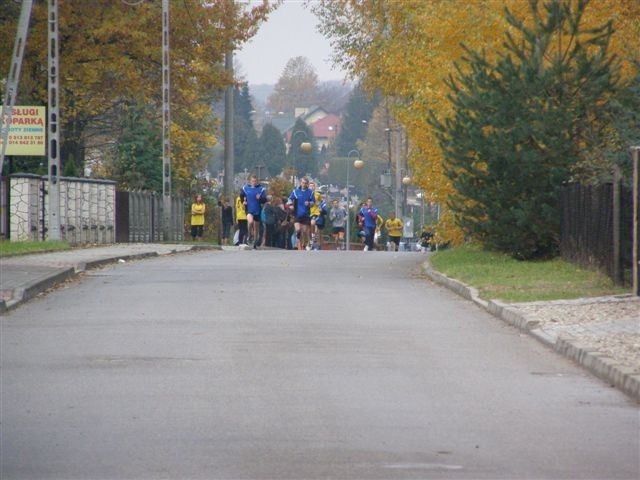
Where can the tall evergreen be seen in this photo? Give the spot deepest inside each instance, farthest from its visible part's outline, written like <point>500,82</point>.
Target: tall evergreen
<point>303,162</point>
<point>625,132</point>
<point>272,151</point>
<point>519,126</point>
<point>244,134</point>
<point>137,160</point>
<point>357,114</point>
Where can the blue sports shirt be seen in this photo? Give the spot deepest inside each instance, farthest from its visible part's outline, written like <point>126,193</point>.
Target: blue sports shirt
<point>370,215</point>
<point>298,197</point>
<point>255,196</point>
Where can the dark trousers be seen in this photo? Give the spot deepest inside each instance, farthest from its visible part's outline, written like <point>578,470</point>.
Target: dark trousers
<point>270,232</point>
<point>242,227</point>
<point>226,230</point>
<point>370,232</point>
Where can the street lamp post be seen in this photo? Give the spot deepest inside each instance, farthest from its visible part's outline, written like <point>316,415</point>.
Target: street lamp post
<point>406,181</point>
<point>358,163</point>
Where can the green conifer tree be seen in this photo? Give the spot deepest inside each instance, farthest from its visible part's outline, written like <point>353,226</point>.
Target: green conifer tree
<point>518,126</point>
<point>244,134</point>
<point>137,163</point>
<point>303,162</point>
<point>357,114</point>
<point>272,150</point>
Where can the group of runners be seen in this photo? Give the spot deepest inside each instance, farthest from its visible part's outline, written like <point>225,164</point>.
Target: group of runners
<point>306,208</point>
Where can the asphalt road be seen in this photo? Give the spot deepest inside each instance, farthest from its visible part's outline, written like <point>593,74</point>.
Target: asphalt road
<point>290,365</point>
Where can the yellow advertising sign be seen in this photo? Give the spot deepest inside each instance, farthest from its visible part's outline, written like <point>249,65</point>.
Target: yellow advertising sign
<point>27,132</point>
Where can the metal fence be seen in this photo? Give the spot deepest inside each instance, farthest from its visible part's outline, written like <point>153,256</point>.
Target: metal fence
<point>139,218</point>
<point>591,236</point>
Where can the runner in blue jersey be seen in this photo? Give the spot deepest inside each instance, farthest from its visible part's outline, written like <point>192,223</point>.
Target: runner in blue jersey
<point>369,215</point>
<point>300,202</point>
<point>253,195</point>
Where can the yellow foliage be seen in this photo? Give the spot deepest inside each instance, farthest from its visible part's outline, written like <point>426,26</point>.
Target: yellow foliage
<point>111,56</point>
<point>407,50</point>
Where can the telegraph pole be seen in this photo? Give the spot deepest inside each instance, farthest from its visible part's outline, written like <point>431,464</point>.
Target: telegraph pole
<point>166,122</point>
<point>635,158</point>
<point>228,130</point>
<point>398,195</point>
<point>54,124</point>
<point>14,76</point>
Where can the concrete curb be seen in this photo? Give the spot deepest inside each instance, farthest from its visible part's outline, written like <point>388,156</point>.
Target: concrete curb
<point>81,267</point>
<point>31,289</point>
<point>600,365</point>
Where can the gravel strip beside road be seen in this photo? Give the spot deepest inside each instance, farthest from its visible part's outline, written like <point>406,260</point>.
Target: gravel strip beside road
<point>610,325</point>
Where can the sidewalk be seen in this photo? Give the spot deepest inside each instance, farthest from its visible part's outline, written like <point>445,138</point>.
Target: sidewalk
<point>24,276</point>
<point>601,334</point>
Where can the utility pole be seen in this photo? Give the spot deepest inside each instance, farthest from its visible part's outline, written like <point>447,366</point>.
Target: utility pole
<point>14,77</point>
<point>398,195</point>
<point>635,156</point>
<point>54,124</point>
<point>617,184</point>
<point>166,121</point>
<point>228,129</point>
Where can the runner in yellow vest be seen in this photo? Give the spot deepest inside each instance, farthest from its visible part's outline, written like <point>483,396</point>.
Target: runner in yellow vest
<point>316,239</point>
<point>394,229</point>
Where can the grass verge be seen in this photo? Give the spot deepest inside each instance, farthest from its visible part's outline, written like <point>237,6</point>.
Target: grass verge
<point>499,276</point>
<point>10,249</point>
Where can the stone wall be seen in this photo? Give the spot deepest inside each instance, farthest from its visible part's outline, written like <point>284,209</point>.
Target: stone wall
<point>87,209</point>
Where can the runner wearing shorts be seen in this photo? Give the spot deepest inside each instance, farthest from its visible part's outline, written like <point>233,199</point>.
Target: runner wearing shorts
<point>300,201</point>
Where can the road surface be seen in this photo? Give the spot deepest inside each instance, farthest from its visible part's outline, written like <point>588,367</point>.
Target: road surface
<point>290,365</point>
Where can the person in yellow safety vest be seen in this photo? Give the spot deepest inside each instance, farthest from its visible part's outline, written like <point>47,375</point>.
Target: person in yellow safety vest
<point>198,209</point>
<point>394,229</point>
<point>241,219</point>
<point>316,239</point>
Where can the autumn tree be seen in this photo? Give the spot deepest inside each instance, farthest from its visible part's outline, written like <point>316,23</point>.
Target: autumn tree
<point>519,125</point>
<point>407,50</point>
<point>296,87</point>
<point>110,55</point>
<point>280,187</point>
<point>333,96</point>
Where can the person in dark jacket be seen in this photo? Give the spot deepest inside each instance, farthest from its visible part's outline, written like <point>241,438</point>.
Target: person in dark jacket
<point>226,212</point>
<point>270,222</point>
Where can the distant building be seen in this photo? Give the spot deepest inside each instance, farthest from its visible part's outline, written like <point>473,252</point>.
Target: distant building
<point>281,121</point>
<point>324,126</point>
<point>325,130</point>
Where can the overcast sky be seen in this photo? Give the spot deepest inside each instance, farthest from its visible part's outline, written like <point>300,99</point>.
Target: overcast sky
<point>289,32</point>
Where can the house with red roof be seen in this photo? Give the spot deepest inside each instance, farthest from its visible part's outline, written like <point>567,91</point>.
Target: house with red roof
<point>324,126</point>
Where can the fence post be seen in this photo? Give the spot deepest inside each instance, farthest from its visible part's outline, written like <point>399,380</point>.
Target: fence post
<point>617,179</point>
<point>635,153</point>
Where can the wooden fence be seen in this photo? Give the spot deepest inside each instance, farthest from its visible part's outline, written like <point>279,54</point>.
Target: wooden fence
<point>596,229</point>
